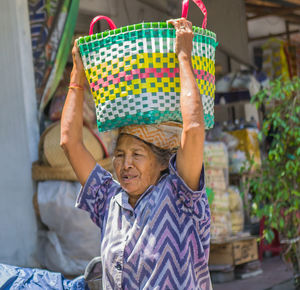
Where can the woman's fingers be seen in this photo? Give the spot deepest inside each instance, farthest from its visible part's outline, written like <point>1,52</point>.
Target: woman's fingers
<point>75,49</point>
<point>180,23</point>
<point>184,36</point>
<point>77,62</point>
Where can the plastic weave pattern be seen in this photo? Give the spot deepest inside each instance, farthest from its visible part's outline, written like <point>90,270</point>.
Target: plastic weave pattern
<point>133,73</point>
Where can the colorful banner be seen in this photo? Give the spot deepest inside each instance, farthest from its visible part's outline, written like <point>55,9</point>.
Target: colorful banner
<point>52,28</point>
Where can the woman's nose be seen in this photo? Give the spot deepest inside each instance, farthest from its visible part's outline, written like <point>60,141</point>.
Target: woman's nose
<point>127,162</point>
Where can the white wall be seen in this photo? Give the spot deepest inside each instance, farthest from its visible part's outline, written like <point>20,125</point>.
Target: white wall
<point>18,135</point>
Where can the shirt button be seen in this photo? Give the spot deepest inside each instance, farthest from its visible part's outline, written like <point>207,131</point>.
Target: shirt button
<point>118,266</point>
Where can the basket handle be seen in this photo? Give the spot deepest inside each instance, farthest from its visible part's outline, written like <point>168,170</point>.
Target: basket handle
<point>199,3</point>
<point>97,18</point>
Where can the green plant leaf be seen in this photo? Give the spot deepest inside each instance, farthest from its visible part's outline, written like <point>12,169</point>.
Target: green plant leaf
<point>281,222</point>
<point>269,235</point>
<point>276,188</point>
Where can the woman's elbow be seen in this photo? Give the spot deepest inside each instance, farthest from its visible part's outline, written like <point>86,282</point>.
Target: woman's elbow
<point>64,142</point>
<point>65,139</point>
<point>70,143</point>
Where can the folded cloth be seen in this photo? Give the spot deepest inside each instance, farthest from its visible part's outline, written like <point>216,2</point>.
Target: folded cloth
<point>165,135</point>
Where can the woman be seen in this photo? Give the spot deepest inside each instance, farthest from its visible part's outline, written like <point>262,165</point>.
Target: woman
<point>155,222</point>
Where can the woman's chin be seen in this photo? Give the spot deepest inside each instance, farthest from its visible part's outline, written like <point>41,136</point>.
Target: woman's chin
<point>129,187</point>
<point>132,189</point>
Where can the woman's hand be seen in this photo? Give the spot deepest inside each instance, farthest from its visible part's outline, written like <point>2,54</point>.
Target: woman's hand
<point>77,74</point>
<point>184,37</point>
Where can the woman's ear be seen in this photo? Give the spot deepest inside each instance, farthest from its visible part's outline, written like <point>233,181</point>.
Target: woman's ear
<point>163,167</point>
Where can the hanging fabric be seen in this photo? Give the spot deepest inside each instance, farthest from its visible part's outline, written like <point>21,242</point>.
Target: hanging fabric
<point>52,27</point>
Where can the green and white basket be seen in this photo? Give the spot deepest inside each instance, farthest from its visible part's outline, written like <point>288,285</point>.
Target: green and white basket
<point>133,72</point>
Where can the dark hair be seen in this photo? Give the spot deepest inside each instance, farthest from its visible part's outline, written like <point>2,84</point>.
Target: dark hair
<point>162,155</point>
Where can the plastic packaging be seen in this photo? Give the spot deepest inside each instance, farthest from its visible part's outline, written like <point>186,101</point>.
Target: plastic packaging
<point>216,179</point>
<point>236,210</point>
<point>220,215</point>
<point>72,239</point>
<point>14,278</point>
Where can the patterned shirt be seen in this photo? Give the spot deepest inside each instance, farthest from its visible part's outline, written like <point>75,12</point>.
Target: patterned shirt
<point>163,243</point>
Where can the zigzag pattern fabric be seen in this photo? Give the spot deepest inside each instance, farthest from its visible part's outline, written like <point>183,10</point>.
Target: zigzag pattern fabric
<point>133,74</point>
<point>163,243</point>
<point>166,135</point>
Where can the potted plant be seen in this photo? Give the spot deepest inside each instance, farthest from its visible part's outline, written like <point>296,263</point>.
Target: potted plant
<point>276,185</point>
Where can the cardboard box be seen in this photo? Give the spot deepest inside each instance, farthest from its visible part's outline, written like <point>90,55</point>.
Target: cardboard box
<point>233,252</point>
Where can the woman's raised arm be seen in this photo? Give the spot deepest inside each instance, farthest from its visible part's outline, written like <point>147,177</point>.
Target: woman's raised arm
<point>190,154</point>
<point>71,138</point>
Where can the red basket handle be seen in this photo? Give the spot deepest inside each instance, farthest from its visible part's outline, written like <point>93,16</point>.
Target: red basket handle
<point>97,18</point>
<point>199,3</point>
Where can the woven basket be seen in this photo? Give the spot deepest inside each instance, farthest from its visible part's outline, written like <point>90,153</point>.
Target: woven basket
<point>133,72</point>
<point>53,164</point>
<point>51,153</point>
<point>41,172</point>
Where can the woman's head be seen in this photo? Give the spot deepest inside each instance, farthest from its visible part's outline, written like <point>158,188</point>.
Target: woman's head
<point>138,164</point>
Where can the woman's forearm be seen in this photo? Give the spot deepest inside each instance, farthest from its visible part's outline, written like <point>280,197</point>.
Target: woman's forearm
<point>190,99</point>
<point>72,115</point>
<point>72,123</point>
<point>190,153</point>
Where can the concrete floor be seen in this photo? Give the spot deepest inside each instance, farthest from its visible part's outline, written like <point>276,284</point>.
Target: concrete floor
<point>276,275</point>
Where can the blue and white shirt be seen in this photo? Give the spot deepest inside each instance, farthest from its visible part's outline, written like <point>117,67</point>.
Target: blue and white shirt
<point>162,243</point>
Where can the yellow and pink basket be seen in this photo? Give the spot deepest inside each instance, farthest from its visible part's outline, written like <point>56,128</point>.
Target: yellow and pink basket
<point>133,72</point>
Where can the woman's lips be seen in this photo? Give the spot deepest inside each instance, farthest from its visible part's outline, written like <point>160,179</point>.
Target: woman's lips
<point>128,178</point>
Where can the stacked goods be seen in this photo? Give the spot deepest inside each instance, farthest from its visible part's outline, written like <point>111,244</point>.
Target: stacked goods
<point>236,210</point>
<point>246,150</point>
<point>216,178</point>
<point>275,62</point>
<point>220,217</point>
<point>133,72</point>
<point>215,155</point>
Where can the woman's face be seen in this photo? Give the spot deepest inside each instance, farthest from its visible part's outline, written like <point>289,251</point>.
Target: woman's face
<point>136,166</point>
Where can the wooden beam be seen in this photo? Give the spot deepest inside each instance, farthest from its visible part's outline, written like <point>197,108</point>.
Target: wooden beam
<point>297,2</point>
<point>274,3</point>
<point>283,3</point>
<point>292,19</point>
<point>261,3</point>
<point>269,12</point>
<point>273,35</point>
<point>288,34</point>
<point>255,8</point>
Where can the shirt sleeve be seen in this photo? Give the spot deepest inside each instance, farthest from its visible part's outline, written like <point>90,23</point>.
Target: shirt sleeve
<point>194,202</point>
<point>95,195</point>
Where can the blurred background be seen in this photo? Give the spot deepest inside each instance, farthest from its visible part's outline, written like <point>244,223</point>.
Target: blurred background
<point>259,41</point>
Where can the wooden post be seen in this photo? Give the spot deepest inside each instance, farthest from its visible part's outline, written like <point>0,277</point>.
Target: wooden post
<point>246,200</point>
